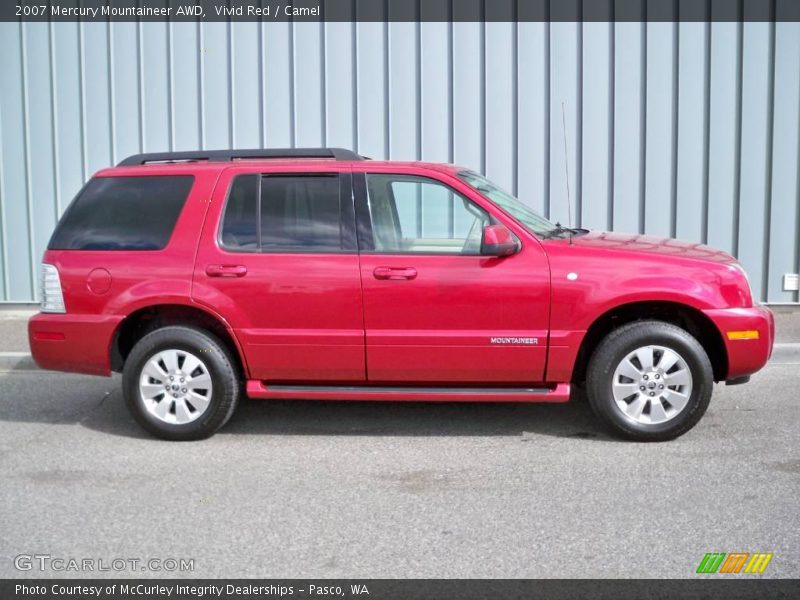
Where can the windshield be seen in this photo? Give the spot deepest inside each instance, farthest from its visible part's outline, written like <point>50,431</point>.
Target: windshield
<point>528,217</point>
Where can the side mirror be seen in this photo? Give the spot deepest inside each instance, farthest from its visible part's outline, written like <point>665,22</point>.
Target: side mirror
<point>498,240</point>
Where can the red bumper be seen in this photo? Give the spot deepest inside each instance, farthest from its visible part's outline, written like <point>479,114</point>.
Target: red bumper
<point>747,352</point>
<point>75,343</point>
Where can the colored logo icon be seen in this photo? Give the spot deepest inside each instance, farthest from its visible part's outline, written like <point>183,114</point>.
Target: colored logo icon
<point>734,562</point>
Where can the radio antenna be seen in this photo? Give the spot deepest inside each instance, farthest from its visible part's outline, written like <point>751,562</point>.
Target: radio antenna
<point>566,171</point>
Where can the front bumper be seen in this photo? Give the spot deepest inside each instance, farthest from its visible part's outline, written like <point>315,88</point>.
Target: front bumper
<point>74,343</point>
<point>747,352</point>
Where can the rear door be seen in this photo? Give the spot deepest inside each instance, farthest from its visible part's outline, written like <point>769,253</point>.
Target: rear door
<point>278,258</point>
<point>435,310</point>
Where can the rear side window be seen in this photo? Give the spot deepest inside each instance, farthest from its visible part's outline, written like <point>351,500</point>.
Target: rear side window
<point>284,213</point>
<point>240,227</point>
<point>123,213</point>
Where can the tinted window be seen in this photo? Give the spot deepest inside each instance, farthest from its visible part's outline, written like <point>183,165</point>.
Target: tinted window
<point>417,214</point>
<point>295,213</point>
<point>300,213</point>
<point>123,213</point>
<point>239,227</point>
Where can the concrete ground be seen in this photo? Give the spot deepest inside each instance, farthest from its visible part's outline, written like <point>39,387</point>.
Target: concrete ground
<point>304,489</point>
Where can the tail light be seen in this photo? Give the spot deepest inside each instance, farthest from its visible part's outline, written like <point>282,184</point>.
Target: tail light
<point>51,294</point>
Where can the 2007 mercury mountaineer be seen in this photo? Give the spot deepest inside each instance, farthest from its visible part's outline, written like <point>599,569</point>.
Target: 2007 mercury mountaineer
<point>316,274</point>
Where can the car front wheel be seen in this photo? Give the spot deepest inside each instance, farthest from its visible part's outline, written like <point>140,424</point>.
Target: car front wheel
<point>650,381</point>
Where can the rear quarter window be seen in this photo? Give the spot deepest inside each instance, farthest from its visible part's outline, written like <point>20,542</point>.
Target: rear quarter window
<point>123,213</point>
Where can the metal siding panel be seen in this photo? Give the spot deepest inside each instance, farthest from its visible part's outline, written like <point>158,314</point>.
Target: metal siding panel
<point>723,134</point>
<point>185,85</point>
<point>155,87</point>
<point>3,245</point>
<point>40,138</point>
<point>371,89</point>
<point>564,70</point>
<point>126,88</point>
<point>340,84</point>
<point>216,85</point>
<point>690,184</point>
<point>15,183</point>
<point>596,161</point>
<point>659,142</point>
<point>309,98</point>
<point>487,96</point>
<point>755,137</point>
<point>69,134</point>
<point>278,88</point>
<point>403,91</point>
<point>501,104</point>
<point>532,121</point>
<point>246,90</point>
<point>785,195</point>
<point>468,95</point>
<point>435,92</point>
<point>96,96</point>
<point>628,91</point>
<point>51,64</point>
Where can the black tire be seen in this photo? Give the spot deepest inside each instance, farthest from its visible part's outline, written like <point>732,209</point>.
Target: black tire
<point>619,344</point>
<point>225,381</point>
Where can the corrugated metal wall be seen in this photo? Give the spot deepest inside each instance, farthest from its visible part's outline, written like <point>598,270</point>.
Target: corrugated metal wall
<point>676,129</point>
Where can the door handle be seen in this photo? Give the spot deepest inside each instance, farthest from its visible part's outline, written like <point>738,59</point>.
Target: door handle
<point>395,273</point>
<point>226,270</point>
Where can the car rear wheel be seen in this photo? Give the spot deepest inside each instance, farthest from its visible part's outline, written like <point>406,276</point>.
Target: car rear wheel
<point>180,383</point>
<point>650,381</point>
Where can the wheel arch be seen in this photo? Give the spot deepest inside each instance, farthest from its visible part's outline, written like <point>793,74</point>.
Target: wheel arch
<point>687,317</point>
<point>149,318</point>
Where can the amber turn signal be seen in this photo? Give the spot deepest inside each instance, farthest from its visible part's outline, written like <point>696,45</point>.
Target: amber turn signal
<point>750,334</point>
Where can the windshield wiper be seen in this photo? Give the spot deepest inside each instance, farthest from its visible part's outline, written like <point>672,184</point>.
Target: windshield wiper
<point>559,229</point>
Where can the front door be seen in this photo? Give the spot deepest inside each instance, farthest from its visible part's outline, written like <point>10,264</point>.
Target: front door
<point>278,259</point>
<point>435,310</point>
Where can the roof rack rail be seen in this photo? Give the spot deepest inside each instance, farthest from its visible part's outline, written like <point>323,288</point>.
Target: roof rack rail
<point>230,155</point>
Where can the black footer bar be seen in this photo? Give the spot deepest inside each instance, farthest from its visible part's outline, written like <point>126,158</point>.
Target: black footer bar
<point>395,589</point>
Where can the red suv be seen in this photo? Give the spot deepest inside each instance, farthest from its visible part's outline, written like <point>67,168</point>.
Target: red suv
<point>317,274</point>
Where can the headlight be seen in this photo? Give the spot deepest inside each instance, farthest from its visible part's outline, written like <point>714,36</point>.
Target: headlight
<point>738,267</point>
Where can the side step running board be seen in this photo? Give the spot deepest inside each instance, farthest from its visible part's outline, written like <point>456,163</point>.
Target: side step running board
<point>259,389</point>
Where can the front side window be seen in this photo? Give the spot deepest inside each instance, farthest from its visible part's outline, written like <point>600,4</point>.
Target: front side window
<point>123,213</point>
<point>283,213</point>
<point>413,214</point>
